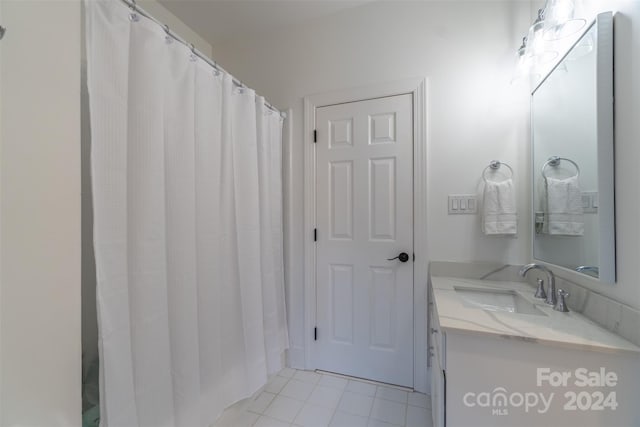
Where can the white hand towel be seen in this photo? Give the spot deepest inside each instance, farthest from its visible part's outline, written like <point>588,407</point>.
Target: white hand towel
<point>564,207</point>
<point>499,208</point>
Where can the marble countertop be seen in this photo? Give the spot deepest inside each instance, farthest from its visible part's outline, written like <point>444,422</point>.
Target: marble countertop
<point>560,329</point>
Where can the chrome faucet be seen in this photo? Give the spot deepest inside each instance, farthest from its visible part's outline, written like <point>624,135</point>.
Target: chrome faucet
<point>551,298</point>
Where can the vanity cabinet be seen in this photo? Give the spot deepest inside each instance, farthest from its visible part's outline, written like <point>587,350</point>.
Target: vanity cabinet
<point>488,369</point>
<point>438,374</point>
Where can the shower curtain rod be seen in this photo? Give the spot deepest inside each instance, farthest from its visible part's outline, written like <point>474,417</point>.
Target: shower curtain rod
<point>137,9</point>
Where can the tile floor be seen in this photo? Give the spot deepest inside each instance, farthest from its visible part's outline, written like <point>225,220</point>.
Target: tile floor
<point>312,399</point>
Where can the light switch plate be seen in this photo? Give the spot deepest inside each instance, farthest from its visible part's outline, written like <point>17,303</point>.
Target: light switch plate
<point>462,204</point>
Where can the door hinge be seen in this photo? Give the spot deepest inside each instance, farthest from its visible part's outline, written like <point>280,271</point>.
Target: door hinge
<point>444,397</point>
<point>414,257</point>
<point>315,234</point>
<point>315,334</point>
<point>315,136</point>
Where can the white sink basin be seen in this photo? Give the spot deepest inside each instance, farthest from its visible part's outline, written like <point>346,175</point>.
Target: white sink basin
<point>497,300</point>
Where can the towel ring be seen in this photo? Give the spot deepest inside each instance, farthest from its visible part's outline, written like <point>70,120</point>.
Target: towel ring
<point>555,161</point>
<point>494,165</point>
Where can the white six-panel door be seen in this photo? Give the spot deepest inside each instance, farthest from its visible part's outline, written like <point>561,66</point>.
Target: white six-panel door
<point>364,216</point>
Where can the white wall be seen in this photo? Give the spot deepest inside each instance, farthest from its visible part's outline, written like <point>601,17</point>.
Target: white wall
<point>40,214</point>
<point>1,139</point>
<point>163,15</point>
<point>466,49</point>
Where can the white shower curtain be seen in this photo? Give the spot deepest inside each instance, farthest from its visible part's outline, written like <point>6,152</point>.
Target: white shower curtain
<point>186,180</point>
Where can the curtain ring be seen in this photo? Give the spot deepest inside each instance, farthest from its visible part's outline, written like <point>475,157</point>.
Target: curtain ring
<point>167,38</point>
<point>193,57</point>
<point>133,16</point>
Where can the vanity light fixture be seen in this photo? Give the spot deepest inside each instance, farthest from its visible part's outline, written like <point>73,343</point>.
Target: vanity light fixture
<point>537,47</point>
<point>561,21</point>
<point>522,59</point>
<point>523,47</point>
<point>555,21</point>
<point>524,66</point>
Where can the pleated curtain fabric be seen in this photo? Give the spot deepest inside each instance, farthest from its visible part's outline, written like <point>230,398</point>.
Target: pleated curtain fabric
<point>187,196</point>
<point>269,127</point>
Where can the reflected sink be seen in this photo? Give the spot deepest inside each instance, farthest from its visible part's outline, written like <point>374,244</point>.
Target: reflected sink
<point>497,300</point>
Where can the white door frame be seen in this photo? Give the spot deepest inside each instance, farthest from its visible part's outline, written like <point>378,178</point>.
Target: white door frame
<point>418,88</point>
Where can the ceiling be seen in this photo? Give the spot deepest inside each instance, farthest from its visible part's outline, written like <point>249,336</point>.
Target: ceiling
<point>217,20</point>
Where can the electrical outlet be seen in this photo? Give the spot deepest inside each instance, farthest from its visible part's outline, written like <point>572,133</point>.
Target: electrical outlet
<point>590,202</point>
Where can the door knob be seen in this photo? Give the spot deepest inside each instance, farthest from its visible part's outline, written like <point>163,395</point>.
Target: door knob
<point>403,257</point>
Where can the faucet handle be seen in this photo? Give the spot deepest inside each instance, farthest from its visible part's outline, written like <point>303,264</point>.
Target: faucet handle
<point>540,293</point>
<point>561,304</point>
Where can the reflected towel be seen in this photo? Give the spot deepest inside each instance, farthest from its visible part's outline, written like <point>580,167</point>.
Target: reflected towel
<point>564,207</point>
<point>499,208</point>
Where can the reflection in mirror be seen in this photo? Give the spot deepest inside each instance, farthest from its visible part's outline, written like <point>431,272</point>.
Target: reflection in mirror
<point>572,132</point>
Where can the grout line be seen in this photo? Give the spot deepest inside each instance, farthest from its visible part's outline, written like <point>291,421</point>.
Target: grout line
<point>406,412</point>
<point>418,406</point>
<point>299,410</point>
<point>335,409</point>
<point>373,402</point>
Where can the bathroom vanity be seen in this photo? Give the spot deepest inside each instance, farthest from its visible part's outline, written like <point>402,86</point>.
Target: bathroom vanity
<point>501,357</point>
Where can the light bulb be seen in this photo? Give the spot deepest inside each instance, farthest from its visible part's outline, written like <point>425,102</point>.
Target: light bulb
<point>537,50</point>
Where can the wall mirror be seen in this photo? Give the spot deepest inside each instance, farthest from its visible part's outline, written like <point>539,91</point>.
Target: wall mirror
<point>572,152</point>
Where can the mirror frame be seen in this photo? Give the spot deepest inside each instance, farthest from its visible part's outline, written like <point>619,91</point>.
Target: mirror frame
<point>605,151</point>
